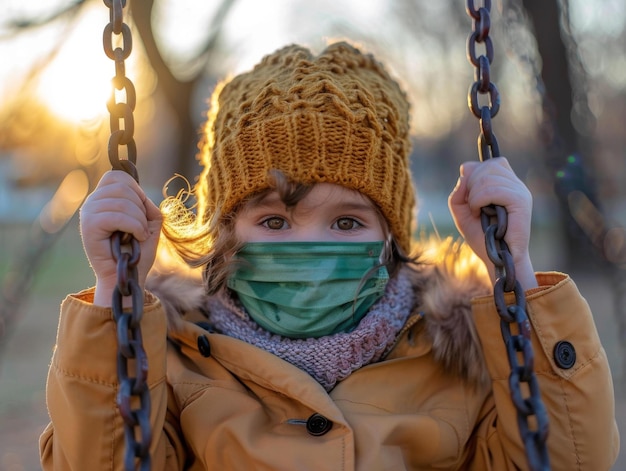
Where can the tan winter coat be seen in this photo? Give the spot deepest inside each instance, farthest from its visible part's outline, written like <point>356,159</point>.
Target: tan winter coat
<point>440,400</point>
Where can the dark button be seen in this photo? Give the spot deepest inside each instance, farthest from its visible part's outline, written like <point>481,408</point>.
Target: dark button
<point>564,354</point>
<point>204,347</point>
<point>318,425</point>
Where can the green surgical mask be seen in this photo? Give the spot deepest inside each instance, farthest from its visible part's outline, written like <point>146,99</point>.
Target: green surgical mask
<point>309,289</point>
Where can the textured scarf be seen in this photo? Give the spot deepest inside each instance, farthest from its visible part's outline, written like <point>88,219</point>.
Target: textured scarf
<point>331,358</point>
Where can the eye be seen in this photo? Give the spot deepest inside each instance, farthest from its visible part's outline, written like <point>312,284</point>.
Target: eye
<point>275,223</point>
<point>347,224</point>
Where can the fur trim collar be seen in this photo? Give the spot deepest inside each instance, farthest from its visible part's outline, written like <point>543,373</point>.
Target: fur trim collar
<point>449,277</point>
<point>453,276</point>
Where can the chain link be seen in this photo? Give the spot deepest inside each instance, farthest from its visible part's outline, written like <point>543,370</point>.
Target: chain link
<point>530,408</point>
<point>121,112</point>
<point>131,356</point>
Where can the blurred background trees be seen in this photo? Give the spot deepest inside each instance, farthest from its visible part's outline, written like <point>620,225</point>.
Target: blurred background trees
<point>560,66</point>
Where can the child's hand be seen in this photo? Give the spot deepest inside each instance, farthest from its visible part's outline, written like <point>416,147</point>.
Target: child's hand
<point>494,182</point>
<point>117,204</point>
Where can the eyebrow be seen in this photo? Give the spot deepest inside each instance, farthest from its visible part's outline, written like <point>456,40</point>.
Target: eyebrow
<point>355,206</point>
<point>269,199</point>
<point>357,202</point>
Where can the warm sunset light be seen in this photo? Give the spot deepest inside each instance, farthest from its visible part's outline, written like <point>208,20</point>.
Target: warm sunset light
<point>65,202</point>
<point>77,83</point>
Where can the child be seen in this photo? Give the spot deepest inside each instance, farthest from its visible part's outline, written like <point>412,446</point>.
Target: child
<point>320,336</point>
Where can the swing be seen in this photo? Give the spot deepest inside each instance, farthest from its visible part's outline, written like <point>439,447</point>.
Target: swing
<point>494,224</point>
<point>126,254</point>
<point>131,354</point>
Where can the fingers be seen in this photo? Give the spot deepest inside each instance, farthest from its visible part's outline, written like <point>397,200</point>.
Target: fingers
<point>497,164</point>
<point>119,204</point>
<point>482,184</point>
<point>458,196</point>
<point>491,182</point>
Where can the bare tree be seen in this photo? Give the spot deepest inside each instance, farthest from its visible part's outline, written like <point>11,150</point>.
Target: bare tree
<point>561,82</point>
<point>178,93</point>
<point>21,129</point>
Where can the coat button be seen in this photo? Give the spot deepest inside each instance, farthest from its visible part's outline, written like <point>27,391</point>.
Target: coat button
<point>204,347</point>
<point>318,425</point>
<point>564,354</point>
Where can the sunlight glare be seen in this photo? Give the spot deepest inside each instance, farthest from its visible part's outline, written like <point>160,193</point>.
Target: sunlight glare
<point>77,83</point>
<point>65,202</point>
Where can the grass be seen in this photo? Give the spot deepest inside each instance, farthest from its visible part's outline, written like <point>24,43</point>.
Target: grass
<point>27,346</point>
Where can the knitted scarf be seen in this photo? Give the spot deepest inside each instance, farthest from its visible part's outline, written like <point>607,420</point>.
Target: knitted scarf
<point>331,358</point>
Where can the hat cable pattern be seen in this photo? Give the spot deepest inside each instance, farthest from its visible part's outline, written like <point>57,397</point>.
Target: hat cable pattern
<point>336,118</point>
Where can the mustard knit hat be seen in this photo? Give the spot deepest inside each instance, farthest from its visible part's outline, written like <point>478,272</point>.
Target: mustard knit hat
<point>335,118</point>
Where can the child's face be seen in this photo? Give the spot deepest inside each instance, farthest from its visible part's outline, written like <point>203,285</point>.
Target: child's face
<point>328,213</point>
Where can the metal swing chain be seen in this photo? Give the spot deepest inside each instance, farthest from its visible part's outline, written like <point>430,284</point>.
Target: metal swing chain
<point>530,408</point>
<point>133,399</point>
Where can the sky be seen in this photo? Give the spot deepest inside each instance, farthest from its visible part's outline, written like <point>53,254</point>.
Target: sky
<point>262,27</point>
<point>81,66</point>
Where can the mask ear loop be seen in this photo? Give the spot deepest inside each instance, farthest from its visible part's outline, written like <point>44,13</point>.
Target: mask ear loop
<point>386,255</point>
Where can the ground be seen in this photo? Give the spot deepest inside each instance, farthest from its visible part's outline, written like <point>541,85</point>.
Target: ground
<point>27,348</point>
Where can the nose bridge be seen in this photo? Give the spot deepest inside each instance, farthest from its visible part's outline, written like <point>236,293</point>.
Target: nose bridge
<point>309,231</point>
<point>309,224</point>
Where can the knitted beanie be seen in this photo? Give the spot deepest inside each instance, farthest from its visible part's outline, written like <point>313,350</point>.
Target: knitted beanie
<point>337,118</point>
